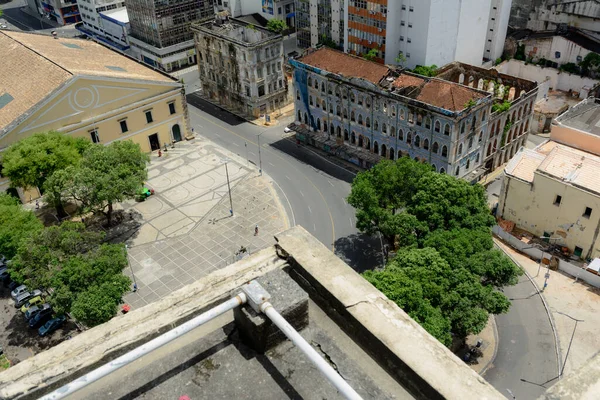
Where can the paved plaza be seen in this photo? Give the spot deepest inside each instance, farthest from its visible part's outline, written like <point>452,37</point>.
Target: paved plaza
<point>186,228</point>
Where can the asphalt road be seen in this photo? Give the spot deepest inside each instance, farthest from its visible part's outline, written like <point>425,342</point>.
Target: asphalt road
<point>526,357</point>
<point>312,188</point>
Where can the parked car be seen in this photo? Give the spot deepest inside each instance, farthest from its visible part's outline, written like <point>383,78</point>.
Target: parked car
<point>52,325</point>
<point>11,285</point>
<point>25,297</point>
<point>34,301</point>
<point>18,291</point>
<point>4,274</point>
<point>41,317</point>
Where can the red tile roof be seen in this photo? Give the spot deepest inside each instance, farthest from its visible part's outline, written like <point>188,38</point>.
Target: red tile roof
<point>438,93</point>
<point>344,64</point>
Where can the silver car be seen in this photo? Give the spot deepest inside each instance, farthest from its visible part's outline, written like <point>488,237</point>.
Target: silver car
<point>18,291</point>
<point>24,297</point>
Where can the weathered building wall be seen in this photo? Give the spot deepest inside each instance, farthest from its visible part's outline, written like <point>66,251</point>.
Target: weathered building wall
<point>520,12</point>
<point>533,208</point>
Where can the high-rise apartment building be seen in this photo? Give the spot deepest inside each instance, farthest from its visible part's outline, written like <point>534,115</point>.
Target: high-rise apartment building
<point>106,21</point>
<point>160,30</point>
<point>320,21</point>
<point>425,32</point>
<point>497,27</point>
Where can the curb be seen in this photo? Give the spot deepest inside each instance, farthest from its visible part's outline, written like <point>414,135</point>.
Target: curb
<point>495,330</point>
<point>550,317</point>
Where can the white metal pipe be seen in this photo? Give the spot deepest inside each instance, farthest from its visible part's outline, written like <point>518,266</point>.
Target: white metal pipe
<point>344,388</point>
<point>146,348</point>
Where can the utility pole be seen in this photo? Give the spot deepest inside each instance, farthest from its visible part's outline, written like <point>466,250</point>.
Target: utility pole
<point>259,157</point>
<point>229,188</point>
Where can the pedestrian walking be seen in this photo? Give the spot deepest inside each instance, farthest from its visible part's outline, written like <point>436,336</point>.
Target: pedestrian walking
<point>256,230</point>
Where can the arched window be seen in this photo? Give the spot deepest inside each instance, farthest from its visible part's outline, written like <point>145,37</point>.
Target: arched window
<point>447,130</point>
<point>383,150</point>
<point>338,131</point>
<point>435,148</point>
<point>426,144</point>
<point>409,138</point>
<point>384,128</point>
<point>393,111</point>
<point>376,126</point>
<point>470,142</point>
<point>480,137</point>
<point>444,151</point>
<point>345,113</point>
<point>352,97</point>
<point>318,123</point>
<point>459,149</point>
<point>368,103</point>
<point>368,122</point>
<point>402,116</point>
<point>352,116</point>
<point>428,123</point>
<point>437,126</point>
<point>489,150</point>
<point>346,136</point>
<point>338,92</point>
<point>385,107</point>
<point>462,128</point>
<point>360,119</point>
<point>391,153</point>
<point>324,105</point>
<point>305,118</point>
<point>360,100</point>
<point>400,134</point>
<point>316,84</point>
<point>331,108</point>
<point>309,81</point>
<point>417,141</point>
<point>361,142</point>
<point>477,158</point>
<point>324,126</point>
<point>353,138</point>
<point>299,116</point>
<point>297,95</point>
<point>419,119</point>
<point>468,164</point>
<point>323,87</point>
<point>376,147</point>
<point>330,89</point>
<point>442,171</point>
<point>457,171</point>
<point>393,131</point>
<point>338,111</point>
<point>345,93</point>
<point>310,100</point>
<point>331,130</point>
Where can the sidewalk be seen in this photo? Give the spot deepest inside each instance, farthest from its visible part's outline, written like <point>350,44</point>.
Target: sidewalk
<point>566,299</point>
<point>485,355</point>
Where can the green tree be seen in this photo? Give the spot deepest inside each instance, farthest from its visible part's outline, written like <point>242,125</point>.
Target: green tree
<point>382,192</point>
<point>276,25</point>
<point>326,41</point>
<point>99,303</point>
<point>41,255</point>
<point>400,59</point>
<point>16,225</point>
<point>106,175</point>
<point>426,70</point>
<point>494,268</point>
<point>571,68</point>
<point>371,55</point>
<point>31,161</point>
<point>501,107</point>
<point>590,63</point>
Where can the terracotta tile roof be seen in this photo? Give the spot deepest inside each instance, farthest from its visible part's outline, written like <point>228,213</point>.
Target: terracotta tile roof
<point>346,65</point>
<point>34,65</point>
<point>443,94</point>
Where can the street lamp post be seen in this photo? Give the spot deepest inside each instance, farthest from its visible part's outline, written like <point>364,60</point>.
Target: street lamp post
<point>259,157</point>
<point>130,267</point>
<point>229,188</point>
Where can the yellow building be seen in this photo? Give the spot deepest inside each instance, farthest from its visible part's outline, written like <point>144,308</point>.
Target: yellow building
<point>554,190</point>
<point>84,89</point>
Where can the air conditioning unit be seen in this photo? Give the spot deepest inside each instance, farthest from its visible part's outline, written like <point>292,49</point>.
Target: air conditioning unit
<point>380,30</point>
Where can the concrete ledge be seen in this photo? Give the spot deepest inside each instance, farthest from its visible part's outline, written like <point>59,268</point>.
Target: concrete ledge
<point>582,384</point>
<point>67,361</point>
<point>421,364</point>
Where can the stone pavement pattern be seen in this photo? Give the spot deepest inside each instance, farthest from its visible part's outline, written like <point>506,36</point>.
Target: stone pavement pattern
<point>566,296</point>
<point>186,229</point>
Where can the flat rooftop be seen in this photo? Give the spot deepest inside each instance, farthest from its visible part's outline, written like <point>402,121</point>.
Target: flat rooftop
<point>213,363</point>
<point>119,15</point>
<point>436,92</point>
<point>234,29</point>
<point>585,116</point>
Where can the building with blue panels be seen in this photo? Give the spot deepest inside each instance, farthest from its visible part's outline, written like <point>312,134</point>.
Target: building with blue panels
<point>363,111</point>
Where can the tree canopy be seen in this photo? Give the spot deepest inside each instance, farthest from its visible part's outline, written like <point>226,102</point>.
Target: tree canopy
<point>16,224</point>
<point>371,55</point>
<point>84,273</point>
<point>31,161</point>
<point>276,25</point>
<point>425,70</point>
<point>105,175</point>
<point>445,272</point>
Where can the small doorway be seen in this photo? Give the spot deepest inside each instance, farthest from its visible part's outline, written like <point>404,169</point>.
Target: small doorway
<point>176,133</point>
<point>154,142</point>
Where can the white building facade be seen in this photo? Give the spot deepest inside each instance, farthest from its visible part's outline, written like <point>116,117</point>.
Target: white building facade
<point>106,21</point>
<point>497,28</point>
<point>316,19</point>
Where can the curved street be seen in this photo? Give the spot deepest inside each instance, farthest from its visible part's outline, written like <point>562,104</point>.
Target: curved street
<point>313,191</point>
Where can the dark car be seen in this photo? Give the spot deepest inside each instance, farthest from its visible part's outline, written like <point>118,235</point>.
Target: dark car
<point>12,285</point>
<point>40,318</point>
<point>33,310</point>
<point>52,325</point>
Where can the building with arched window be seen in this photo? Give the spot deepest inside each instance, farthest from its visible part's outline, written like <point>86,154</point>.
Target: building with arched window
<point>439,121</point>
